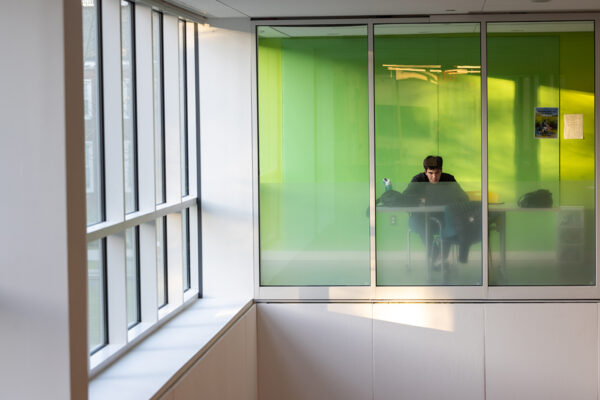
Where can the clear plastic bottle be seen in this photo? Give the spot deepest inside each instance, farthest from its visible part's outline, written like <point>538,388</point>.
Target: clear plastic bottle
<point>388,184</point>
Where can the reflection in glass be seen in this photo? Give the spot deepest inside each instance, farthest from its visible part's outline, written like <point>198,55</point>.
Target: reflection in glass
<point>97,335</point>
<point>427,102</point>
<point>159,112</point>
<point>313,155</point>
<point>129,115</point>
<point>92,77</point>
<point>183,123</point>
<point>185,216</point>
<point>133,275</point>
<point>533,65</point>
<point>161,260</point>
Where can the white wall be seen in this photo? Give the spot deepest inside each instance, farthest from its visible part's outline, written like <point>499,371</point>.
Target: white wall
<point>541,351</point>
<point>226,158</point>
<point>315,351</point>
<point>428,351</point>
<point>42,234</point>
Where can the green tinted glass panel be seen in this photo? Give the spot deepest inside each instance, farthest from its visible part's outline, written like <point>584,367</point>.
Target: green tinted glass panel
<point>428,102</point>
<point>313,155</point>
<point>539,76</point>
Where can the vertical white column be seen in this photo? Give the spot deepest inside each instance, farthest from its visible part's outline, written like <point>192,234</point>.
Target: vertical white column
<point>484,164</point>
<point>255,172</point>
<point>42,262</point>
<point>75,205</point>
<point>371,84</point>
<point>597,142</point>
<point>226,123</point>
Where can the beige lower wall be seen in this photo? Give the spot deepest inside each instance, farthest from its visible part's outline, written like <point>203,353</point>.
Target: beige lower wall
<point>428,351</point>
<point>227,371</point>
<point>401,351</point>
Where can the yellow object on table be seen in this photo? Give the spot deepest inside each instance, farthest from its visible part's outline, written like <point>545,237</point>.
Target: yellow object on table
<point>475,195</point>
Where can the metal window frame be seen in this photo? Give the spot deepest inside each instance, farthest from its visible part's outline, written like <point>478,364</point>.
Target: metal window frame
<point>163,159</point>
<point>119,335</point>
<point>165,266</point>
<point>182,30</point>
<point>133,67</point>
<point>186,250</point>
<point>198,164</point>
<point>101,151</point>
<point>100,116</point>
<point>138,297</point>
<point>104,275</point>
<point>161,94</point>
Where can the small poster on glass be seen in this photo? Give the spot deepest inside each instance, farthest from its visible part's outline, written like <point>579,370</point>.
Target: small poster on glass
<point>573,126</point>
<point>546,123</point>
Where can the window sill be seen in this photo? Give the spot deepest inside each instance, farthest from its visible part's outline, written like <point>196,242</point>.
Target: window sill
<point>159,360</point>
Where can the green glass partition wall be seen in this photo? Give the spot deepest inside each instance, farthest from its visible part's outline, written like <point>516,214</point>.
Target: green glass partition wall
<point>428,102</point>
<point>313,140</point>
<point>313,144</point>
<point>541,136</point>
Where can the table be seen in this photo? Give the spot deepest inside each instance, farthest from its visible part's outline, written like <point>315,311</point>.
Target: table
<point>425,209</point>
<point>497,221</point>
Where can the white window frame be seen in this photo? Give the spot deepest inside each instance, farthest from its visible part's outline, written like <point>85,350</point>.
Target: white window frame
<point>120,337</point>
<point>434,293</point>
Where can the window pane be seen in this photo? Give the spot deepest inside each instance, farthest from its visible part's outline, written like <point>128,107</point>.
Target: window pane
<point>129,122</point>
<point>313,155</point>
<point>92,113</point>
<point>541,75</point>
<point>427,102</point>
<point>133,275</point>
<point>185,214</point>
<point>159,128</point>
<point>97,324</point>
<point>161,260</point>
<point>183,108</point>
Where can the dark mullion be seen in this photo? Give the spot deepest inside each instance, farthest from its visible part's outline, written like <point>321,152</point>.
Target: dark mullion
<point>136,196</point>
<point>198,174</point>
<point>186,184</point>
<point>187,249</point>
<point>162,110</point>
<point>101,113</point>
<point>101,152</point>
<point>165,264</point>
<point>138,272</point>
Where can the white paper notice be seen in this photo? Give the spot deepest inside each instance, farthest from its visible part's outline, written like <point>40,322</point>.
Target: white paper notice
<point>573,126</point>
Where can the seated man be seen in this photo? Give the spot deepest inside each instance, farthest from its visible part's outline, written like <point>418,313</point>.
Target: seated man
<point>434,187</point>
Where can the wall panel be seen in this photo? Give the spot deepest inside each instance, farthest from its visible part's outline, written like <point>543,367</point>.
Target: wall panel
<point>226,157</point>
<point>227,371</point>
<point>428,351</point>
<point>541,351</point>
<point>314,351</point>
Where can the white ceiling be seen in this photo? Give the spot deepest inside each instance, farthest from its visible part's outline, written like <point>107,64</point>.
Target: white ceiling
<point>350,8</point>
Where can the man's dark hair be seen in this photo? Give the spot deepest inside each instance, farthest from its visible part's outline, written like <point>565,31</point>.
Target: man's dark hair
<point>433,162</point>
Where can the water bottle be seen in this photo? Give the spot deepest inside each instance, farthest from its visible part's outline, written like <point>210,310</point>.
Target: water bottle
<point>387,183</point>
